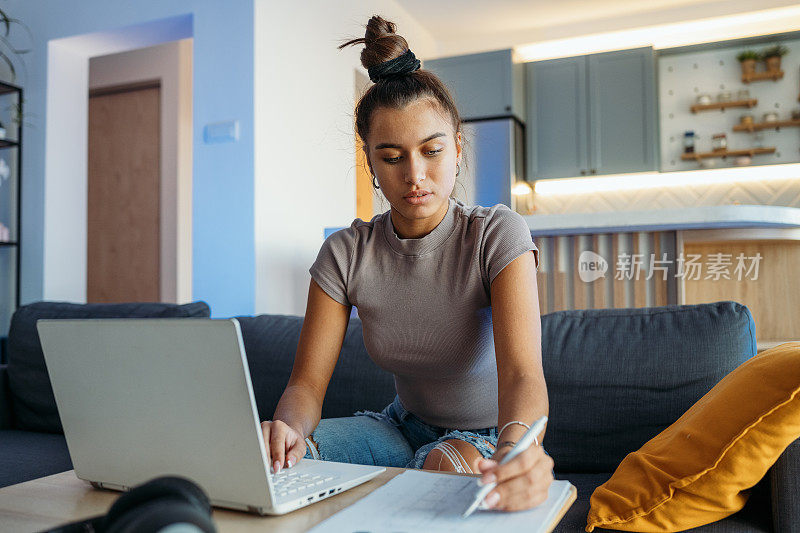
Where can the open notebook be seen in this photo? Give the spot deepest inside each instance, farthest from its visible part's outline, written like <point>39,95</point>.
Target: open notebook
<point>418,500</point>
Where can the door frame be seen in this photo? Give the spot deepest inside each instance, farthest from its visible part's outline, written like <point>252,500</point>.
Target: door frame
<point>66,142</point>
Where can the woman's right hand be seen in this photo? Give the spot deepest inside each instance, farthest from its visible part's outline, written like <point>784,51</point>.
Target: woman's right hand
<point>282,442</point>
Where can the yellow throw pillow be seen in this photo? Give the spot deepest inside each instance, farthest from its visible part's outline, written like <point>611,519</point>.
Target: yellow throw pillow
<point>700,468</point>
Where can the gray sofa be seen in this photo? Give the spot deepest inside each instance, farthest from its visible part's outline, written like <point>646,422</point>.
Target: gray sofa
<point>616,377</point>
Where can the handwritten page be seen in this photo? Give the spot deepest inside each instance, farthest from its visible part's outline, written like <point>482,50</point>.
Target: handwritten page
<point>427,501</point>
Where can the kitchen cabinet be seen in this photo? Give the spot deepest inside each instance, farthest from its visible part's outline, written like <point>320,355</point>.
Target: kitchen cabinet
<point>594,114</point>
<point>485,85</point>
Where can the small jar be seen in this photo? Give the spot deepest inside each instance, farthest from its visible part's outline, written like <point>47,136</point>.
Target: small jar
<point>688,142</point>
<point>703,99</point>
<point>796,113</point>
<point>724,96</point>
<point>719,142</point>
<point>743,94</point>
<point>746,119</point>
<point>771,116</point>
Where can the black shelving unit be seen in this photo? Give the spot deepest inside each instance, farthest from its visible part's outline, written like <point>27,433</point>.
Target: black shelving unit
<point>10,203</point>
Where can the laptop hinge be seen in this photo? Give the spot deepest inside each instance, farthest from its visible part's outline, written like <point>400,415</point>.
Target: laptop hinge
<point>109,486</point>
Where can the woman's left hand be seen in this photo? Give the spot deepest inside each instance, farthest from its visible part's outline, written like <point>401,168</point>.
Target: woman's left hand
<point>522,483</point>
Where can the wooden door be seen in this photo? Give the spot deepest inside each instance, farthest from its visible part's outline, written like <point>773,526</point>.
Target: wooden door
<point>124,183</point>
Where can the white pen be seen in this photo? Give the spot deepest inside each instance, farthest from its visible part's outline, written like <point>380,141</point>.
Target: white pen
<point>522,445</point>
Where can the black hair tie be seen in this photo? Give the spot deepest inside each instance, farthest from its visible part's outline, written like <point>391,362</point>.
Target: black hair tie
<point>400,65</point>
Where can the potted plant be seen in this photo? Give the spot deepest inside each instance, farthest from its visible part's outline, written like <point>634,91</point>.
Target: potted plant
<point>772,56</point>
<point>748,60</point>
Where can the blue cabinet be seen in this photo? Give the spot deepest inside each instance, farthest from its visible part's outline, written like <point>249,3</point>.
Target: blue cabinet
<point>594,114</point>
<point>558,118</point>
<point>484,85</point>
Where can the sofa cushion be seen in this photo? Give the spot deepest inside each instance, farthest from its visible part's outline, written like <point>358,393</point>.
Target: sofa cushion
<point>575,518</point>
<point>785,487</point>
<point>755,517</point>
<point>32,401</point>
<point>617,377</point>
<point>5,395</point>
<point>700,469</point>
<point>26,455</point>
<point>271,343</point>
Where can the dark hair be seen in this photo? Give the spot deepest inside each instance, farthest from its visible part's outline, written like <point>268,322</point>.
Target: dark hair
<point>382,44</point>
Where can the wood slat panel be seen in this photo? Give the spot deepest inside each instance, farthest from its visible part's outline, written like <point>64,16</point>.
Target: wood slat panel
<point>550,246</point>
<point>560,279</point>
<point>639,281</point>
<point>566,289</point>
<point>598,286</point>
<point>541,281</point>
<point>579,287</point>
<point>659,283</point>
<point>542,274</point>
<point>619,285</point>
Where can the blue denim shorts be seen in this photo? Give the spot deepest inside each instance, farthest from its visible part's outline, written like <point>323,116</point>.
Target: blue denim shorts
<point>393,437</point>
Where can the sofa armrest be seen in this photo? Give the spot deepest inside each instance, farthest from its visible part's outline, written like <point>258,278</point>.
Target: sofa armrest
<point>5,399</point>
<point>785,488</point>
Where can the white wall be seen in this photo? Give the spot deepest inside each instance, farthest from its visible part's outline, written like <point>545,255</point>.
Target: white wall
<point>304,140</point>
<point>171,63</point>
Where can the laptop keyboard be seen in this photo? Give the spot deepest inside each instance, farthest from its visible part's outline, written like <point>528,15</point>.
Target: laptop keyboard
<point>288,483</point>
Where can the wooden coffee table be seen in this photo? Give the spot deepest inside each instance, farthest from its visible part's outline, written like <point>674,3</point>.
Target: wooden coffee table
<point>49,501</point>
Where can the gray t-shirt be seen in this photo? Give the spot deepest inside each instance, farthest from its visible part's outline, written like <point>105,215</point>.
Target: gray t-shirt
<point>425,305</point>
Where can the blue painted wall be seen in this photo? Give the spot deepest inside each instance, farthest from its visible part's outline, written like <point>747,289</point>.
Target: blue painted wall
<point>223,227</point>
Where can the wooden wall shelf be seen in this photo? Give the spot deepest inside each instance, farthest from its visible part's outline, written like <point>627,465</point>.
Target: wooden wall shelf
<point>773,75</point>
<point>725,153</point>
<point>752,102</point>
<point>758,126</point>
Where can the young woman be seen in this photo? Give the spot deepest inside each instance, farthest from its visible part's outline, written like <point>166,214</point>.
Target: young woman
<point>447,297</point>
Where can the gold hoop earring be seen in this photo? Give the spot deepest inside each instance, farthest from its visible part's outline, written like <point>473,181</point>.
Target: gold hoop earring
<point>458,169</point>
<point>373,182</point>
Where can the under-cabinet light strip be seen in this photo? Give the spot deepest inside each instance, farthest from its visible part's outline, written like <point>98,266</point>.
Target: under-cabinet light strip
<point>654,180</point>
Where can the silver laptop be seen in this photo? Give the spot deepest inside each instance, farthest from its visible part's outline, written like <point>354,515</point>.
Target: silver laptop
<point>142,398</point>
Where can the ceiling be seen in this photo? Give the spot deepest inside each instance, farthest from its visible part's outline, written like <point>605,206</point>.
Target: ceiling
<point>449,18</point>
<point>465,24</point>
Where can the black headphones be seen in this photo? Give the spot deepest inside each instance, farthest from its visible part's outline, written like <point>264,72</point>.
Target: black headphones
<point>151,507</point>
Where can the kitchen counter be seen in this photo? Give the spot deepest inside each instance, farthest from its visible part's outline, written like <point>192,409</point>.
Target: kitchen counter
<point>743,253</point>
<point>686,218</point>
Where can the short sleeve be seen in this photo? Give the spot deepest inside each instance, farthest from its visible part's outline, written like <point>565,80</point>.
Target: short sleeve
<point>506,237</point>
<point>332,266</point>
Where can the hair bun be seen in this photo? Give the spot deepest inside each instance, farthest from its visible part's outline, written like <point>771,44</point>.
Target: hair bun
<point>378,27</point>
<point>381,43</point>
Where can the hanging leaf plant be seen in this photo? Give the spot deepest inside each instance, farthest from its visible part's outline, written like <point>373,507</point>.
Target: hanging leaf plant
<point>9,52</point>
